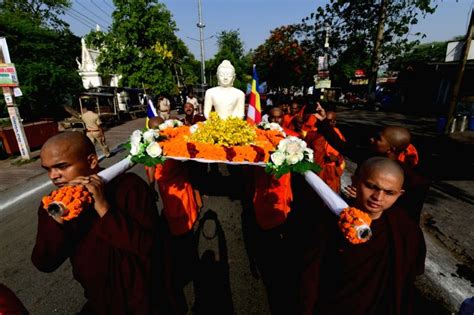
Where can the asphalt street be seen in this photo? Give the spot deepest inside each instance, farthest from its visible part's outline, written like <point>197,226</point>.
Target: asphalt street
<point>447,223</point>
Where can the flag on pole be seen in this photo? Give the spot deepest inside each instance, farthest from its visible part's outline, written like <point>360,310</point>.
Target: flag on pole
<point>150,110</point>
<point>254,113</point>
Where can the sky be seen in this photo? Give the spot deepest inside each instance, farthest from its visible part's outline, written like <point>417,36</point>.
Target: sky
<point>254,19</point>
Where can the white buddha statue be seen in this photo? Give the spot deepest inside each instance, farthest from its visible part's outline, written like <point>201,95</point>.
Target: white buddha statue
<point>226,100</point>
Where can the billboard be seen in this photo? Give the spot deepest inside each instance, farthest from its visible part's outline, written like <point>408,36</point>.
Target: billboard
<point>454,51</point>
<point>8,77</point>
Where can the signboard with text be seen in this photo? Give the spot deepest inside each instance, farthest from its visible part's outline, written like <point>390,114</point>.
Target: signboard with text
<point>8,77</point>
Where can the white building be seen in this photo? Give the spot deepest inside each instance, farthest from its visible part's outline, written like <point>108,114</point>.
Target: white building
<point>88,69</point>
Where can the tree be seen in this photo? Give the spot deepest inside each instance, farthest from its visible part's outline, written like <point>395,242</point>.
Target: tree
<point>141,46</point>
<point>352,23</point>
<point>422,53</point>
<point>43,12</point>
<point>45,63</point>
<point>231,47</point>
<point>284,60</point>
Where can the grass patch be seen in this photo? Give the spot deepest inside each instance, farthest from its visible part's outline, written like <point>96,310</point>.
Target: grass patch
<point>19,161</point>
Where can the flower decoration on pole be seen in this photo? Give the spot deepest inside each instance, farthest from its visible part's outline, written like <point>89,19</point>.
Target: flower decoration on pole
<point>271,126</point>
<point>144,147</point>
<point>353,223</point>
<point>291,155</point>
<point>67,202</point>
<point>170,123</point>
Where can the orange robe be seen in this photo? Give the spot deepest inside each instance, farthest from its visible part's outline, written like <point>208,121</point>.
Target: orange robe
<point>331,171</point>
<point>287,120</point>
<point>271,199</point>
<point>409,157</point>
<point>310,123</point>
<point>179,203</point>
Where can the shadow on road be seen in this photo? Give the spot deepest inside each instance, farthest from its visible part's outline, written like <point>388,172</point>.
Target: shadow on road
<point>212,285</point>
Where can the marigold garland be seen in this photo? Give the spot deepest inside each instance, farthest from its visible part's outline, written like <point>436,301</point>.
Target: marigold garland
<point>73,198</point>
<point>355,225</point>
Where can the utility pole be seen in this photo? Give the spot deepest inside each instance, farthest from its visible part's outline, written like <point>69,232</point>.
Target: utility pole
<point>8,93</point>
<point>460,75</point>
<point>201,27</point>
<point>374,65</point>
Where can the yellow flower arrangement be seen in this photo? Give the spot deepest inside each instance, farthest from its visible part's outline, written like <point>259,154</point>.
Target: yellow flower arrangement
<point>232,131</point>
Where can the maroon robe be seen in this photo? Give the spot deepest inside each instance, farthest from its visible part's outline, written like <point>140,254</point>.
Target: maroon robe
<point>9,303</point>
<point>372,278</point>
<point>112,257</point>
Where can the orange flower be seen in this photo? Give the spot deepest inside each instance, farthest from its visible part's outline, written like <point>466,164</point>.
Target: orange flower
<point>73,198</point>
<point>355,225</point>
<point>177,144</point>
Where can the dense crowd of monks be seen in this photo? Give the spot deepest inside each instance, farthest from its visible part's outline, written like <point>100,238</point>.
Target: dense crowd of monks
<point>131,260</point>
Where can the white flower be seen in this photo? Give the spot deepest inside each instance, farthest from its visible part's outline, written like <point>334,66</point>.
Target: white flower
<point>193,128</point>
<point>274,126</point>
<point>154,150</point>
<point>163,126</point>
<point>135,148</point>
<point>149,136</point>
<point>135,142</point>
<point>278,158</point>
<point>282,145</point>
<point>294,158</point>
<point>309,154</point>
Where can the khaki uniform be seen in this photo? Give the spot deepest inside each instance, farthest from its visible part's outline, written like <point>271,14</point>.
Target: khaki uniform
<point>164,108</point>
<point>94,131</point>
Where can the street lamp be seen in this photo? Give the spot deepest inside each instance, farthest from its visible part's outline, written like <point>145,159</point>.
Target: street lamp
<point>201,27</point>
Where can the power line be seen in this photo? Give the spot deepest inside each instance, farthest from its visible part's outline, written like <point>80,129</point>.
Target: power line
<point>80,20</point>
<point>86,17</point>
<point>100,19</point>
<point>105,13</point>
<point>108,5</point>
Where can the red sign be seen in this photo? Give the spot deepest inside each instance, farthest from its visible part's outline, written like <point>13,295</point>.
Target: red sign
<point>359,73</point>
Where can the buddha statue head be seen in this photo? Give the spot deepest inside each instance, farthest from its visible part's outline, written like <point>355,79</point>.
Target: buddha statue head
<point>225,74</point>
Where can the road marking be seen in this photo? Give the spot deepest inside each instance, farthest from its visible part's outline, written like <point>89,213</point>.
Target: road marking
<point>26,194</point>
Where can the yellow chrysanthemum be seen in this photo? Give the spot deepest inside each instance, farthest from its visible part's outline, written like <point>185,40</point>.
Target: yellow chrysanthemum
<point>229,132</point>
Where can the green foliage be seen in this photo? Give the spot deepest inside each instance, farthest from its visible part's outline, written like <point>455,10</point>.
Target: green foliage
<point>428,52</point>
<point>42,12</point>
<point>231,47</point>
<point>45,63</point>
<point>284,60</point>
<point>353,27</point>
<point>300,167</point>
<point>142,47</point>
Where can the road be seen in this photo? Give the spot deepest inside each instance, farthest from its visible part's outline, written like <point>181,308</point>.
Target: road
<point>447,222</point>
<point>59,293</point>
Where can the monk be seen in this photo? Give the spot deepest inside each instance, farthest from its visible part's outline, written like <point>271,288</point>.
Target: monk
<point>409,157</point>
<point>112,245</point>
<point>9,302</point>
<point>371,278</point>
<point>330,160</point>
<point>271,199</point>
<point>288,118</point>
<point>389,143</point>
<point>275,115</point>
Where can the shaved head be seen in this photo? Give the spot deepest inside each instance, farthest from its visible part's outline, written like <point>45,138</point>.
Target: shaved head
<point>380,164</point>
<point>75,140</point>
<point>154,122</point>
<point>398,137</point>
<point>68,155</point>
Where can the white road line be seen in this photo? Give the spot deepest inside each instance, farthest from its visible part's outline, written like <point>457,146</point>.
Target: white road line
<point>26,194</point>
